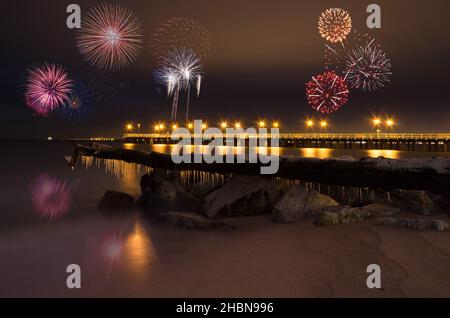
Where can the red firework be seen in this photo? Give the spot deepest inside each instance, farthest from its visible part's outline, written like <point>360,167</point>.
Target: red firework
<point>48,87</point>
<point>110,37</point>
<point>327,92</point>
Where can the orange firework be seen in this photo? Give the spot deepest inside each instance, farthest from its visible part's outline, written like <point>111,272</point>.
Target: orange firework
<point>335,24</point>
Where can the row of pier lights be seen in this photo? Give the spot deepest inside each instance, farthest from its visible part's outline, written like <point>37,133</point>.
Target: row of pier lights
<point>310,125</point>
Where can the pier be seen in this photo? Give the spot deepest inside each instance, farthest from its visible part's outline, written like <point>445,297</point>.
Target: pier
<point>432,142</point>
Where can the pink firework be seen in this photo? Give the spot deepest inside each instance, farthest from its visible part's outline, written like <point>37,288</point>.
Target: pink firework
<point>48,87</point>
<point>327,92</point>
<point>110,37</point>
<point>51,198</point>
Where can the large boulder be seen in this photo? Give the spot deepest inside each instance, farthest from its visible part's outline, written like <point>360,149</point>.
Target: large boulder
<point>298,203</point>
<point>114,201</point>
<point>377,210</point>
<point>346,215</point>
<point>169,195</point>
<point>420,202</point>
<point>192,221</point>
<point>242,195</point>
<point>414,224</point>
<point>150,181</point>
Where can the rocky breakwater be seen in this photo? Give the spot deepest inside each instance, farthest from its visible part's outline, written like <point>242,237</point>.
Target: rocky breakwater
<point>207,206</point>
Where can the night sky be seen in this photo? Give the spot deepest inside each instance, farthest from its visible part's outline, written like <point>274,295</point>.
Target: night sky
<point>262,54</point>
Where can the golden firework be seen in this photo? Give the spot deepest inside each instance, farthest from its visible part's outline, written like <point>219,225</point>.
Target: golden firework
<point>335,24</point>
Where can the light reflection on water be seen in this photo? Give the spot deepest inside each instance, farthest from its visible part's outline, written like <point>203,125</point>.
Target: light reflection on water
<point>139,250</point>
<point>320,153</point>
<point>129,174</point>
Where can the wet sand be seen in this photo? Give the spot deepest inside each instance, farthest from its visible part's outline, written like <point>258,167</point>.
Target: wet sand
<point>128,257</point>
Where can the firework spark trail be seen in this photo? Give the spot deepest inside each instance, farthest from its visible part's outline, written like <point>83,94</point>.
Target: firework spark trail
<point>199,85</point>
<point>48,87</point>
<point>327,92</point>
<point>368,67</point>
<point>110,37</point>
<point>335,25</point>
<point>335,55</point>
<point>181,69</point>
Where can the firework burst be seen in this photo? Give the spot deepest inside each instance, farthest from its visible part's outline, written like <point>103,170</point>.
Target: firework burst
<point>180,70</point>
<point>48,87</point>
<point>178,33</point>
<point>368,67</point>
<point>78,104</point>
<point>335,25</point>
<point>110,37</point>
<point>327,92</point>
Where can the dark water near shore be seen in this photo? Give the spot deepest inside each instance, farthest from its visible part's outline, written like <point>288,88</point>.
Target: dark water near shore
<point>68,228</point>
<point>25,162</point>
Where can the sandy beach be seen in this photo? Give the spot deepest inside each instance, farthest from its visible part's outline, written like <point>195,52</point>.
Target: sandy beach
<point>256,259</point>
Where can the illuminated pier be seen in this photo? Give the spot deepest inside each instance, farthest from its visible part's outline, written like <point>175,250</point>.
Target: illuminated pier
<point>395,141</point>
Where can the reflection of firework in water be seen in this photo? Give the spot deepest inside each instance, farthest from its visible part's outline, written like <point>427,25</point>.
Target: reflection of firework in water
<point>335,24</point>
<point>178,33</point>
<point>327,92</point>
<point>78,104</point>
<point>368,67</point>
<point>180,70</point>
<point>335,55</point>
<point>110,37</point>
<point>112,250</point>
<point>48,87</point>
<point>51,198</point>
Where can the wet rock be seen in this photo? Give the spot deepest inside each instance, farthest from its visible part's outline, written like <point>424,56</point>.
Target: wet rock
<point>169,195</point>
<point>346,215</point>
<point>150,181</point>
<point>298,203</point>
<point>420,202</point>
<point>414,224</point>
<point>192,221</point>
<point>114,201</point>
<point>339,215</point>
<point>377,210</point>
<point>242,195</point>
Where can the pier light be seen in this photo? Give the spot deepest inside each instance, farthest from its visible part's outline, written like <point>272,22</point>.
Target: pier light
<point>162,126</point>
<point>156,128</point>
<point>376,121</point>
<point>174,126</point>
<point>309,123</point>
<point>324,124</point>
<point>129,127</point>
<point>224,125</point>
<point>276,125</point>
<point>190,126</point>
<point>238,125</point>
<point>390,123</point>
<point>204,126</point>
<point>262,124</point>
